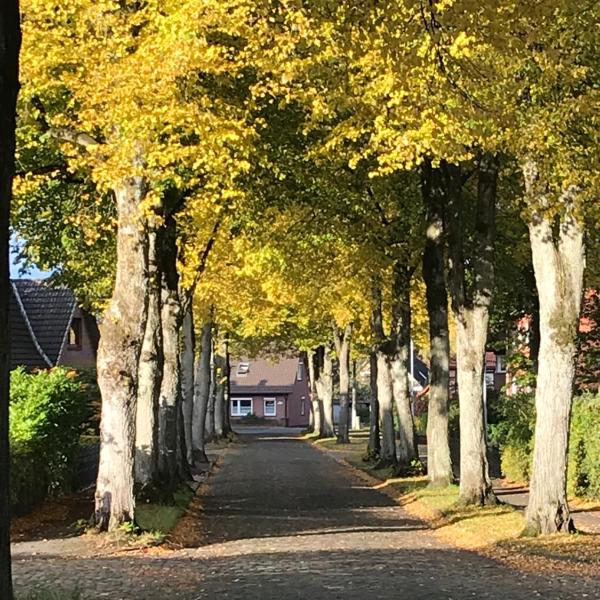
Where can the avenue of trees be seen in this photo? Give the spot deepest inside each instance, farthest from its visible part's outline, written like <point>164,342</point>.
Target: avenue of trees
<point>335,177</point>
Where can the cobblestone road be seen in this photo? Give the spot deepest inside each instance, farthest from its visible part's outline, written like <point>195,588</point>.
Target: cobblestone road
<point>284,521</point>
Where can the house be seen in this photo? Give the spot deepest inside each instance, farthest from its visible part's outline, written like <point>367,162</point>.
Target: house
<point>48,328</point>
<point>276,392</point>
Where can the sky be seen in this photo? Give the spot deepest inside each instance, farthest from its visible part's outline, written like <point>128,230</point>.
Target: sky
<point>32,273</point>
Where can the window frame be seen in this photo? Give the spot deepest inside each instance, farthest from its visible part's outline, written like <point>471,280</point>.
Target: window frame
<point>78,329</point>
<point>274,401</point>
<point>238,401</point>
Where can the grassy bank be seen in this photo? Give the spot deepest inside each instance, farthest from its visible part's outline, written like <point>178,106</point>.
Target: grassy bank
<point>494,531</point>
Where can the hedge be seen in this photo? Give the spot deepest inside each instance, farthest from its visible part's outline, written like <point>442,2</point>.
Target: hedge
<point>47,413</point>
<point>514,435</point>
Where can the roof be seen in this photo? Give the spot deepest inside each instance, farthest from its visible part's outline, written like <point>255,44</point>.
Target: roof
<point>271,376</point>
<point>40,316</point>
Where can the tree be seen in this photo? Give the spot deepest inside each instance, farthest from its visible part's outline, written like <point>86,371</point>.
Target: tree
<point>342,340</point>
<point>10,42</point>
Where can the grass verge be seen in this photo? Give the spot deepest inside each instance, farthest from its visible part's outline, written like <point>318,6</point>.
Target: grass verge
<point>494,531</point>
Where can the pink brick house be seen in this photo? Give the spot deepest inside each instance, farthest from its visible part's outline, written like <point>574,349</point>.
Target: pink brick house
<point>275,391</point>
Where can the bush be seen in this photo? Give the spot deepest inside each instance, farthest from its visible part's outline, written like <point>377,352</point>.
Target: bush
<point>584,447</point>
<point>514,435</point>
<point>47,412</point>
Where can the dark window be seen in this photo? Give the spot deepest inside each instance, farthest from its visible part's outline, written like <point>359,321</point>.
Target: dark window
<point>75,334</point>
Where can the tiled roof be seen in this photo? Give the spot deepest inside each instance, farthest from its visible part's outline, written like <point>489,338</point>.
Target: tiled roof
<point>274,377</point>
<point>40,317</point>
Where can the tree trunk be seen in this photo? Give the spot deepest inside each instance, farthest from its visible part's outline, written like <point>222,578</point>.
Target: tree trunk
<point>471,299</point>
<point>384,351</point>
<point>10,41</point>
<point>374,445</point>
<point>342,343</point>
<point>149,376</point>
<point>209,425</point>
<point>122,334</point>
<point>559,267</point>
<point>471,335</point>
<point>385,397</point>
<point>354,419</point>
<point>227,389</point>
<point>187,379</point>
<point>324,383</point>
<point>169,469</point>
<point>221,383</point>
<point>407,447</point>
<point>439,465</point>
<point>317,413</point>
<point>201,392</point>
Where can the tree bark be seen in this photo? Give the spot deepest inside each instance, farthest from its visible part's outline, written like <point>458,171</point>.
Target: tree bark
<point>187,379</point>
<point>149,376</point>
<point>471,303</point>
<point>324,384</point>
<point>558,261</point>
<point>122,333</point>
<point>439,465</point>
<point>342,346</point>
<point>374,445</point>
<point>407,447</point>
<point>221,383</point>
<point>317,413</point>
<point>384,351</point>
<point>354,419</point>
<point>201,392</point>
<point>10,42</point>
<point>209,425</point>
<point>169,469</point>
<point>227,389</point>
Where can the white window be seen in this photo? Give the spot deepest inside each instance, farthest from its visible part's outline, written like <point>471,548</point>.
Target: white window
<point>243,368</point>
<point>500,363</point>
<point>303,406</point>
<point>489,380</point>
<point>240,407</point>
<point>299,375</point>
<point>270,407</point>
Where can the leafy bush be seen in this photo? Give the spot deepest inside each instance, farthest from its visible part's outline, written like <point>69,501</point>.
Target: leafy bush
<point>584,447</point>
<point>47,411</point>
<point>513,433</point>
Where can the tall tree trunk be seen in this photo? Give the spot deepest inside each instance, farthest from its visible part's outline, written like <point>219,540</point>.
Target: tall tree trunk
<point>374,445</point>
<point>342,347</point>
<point>384,350</point>
<point>316,408</point>
<point>10,42</point>
<point>220,383</point>
<point>439,465</point>
<point>324,383</point>
<point>150,372</point>
<point>385,397</point>
<point>209,425</point>
<point>201,392</point>
<point>122,334</point>
<point>471,299</point>
<point>187,379</point>
<point>354,419</point>
<point>227,389</point>
<point>407,447</point>
<point>558,261</point>
<point>169,470</point>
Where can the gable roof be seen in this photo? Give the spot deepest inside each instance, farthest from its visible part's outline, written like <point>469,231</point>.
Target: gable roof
<point>40,316</point>
<point>274,377</point>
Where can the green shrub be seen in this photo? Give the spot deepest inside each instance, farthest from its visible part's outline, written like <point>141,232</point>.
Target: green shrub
<point>47,412</point>
<point>513,433</point>
<point>584,447</point>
